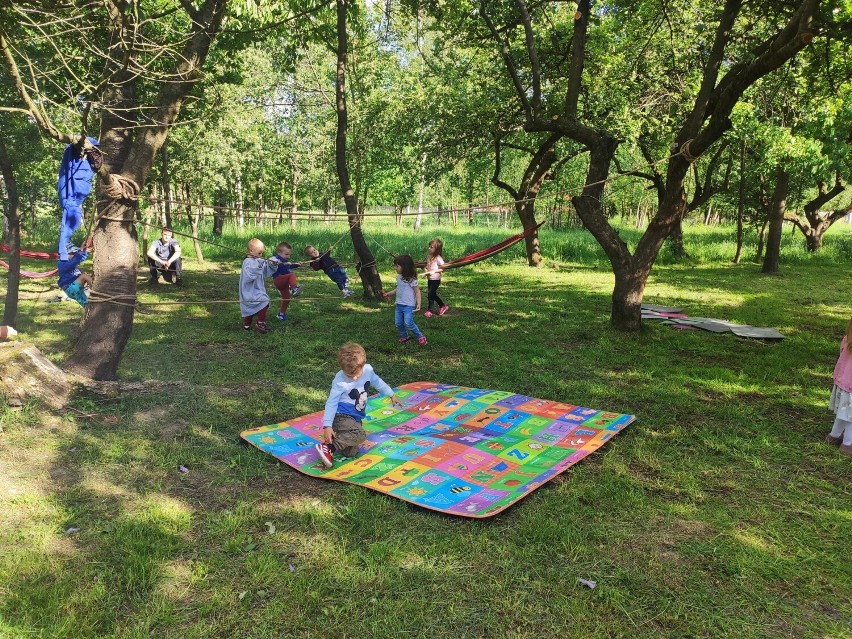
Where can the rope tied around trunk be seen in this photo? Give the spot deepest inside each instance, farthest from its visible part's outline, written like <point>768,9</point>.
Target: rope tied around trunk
<point>119,187</point>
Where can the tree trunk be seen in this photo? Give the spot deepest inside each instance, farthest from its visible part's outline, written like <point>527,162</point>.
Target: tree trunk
<point>676,239</point>
<point>194,219</point>
<point>740,204</point>
<point>813,240</point>
<point>370,278</point>
<point>219,213</point>
<point>418,220</point>
<point>149,210</point>
<point>526,213</point>
<point>106,324</point>
<point>627,296</point>
<point>241,215</point>
<point>166,181</point>
<point>294,204</point>
<point>13,216</point>
<point>776,219</point>
<point>129,151</point>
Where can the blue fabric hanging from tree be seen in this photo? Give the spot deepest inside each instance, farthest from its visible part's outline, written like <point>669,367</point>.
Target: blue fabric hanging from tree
<point>75,183</point>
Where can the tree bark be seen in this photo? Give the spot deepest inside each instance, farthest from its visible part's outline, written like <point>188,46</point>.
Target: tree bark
<point>740,204</point>
<point>13,217</point>
<point>294,202</point>
<point>194,219</point>
<point>370,278</point>
<point>219,213</point>
<point>776,218</point>
<point>166,181</point>
<point>676,239</point>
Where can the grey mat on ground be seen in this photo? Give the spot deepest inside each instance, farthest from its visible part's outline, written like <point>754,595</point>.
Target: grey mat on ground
<point>660,309</point>
<point>705,323</point>
<point>759,332</point>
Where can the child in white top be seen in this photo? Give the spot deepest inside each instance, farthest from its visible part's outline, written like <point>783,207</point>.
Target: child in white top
<point>434,264</point>
<point>345,409</point>
<point>841,396</point>
<point>407,299</point>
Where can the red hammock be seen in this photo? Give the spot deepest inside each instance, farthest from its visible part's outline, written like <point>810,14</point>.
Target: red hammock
<point>38,255</point>
<point>32,274</point>
<point>485,253</point>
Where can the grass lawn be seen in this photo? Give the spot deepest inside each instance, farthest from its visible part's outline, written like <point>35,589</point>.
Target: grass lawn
<point>721,512</point>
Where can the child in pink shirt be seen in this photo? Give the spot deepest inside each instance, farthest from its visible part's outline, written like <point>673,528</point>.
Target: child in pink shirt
<point>841,396</point>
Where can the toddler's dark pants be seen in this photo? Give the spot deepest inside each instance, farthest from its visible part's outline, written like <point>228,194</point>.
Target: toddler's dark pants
<point>348,435</point>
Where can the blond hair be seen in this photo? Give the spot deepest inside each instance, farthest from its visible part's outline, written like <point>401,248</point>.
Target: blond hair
<point>351,358</point>
<point>255,245</point>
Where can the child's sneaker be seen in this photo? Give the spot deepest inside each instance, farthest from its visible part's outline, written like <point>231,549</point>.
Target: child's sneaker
<point>403,340</point>
<point>282,316</point>
<point>295,290</point>
<point>262,327</point>
<point>325,454</point>
<point>443,309</point>
<point>246,327</point>
<point>834,441</point>
<point>347,292</point>
<point>422,340</point>
<point>427,314</point>
<point>846,448</point>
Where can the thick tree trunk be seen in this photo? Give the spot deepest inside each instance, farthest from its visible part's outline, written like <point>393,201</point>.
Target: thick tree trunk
<point>776,219</point>
<point>370,278</point>
<point>129,152</point>
<point>627,296</point>
<point>13,217</point>
<point>814,240</point>
<point>108,319</point>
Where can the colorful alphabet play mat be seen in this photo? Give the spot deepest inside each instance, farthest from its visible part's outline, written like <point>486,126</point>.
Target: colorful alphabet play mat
<point>465,451</point>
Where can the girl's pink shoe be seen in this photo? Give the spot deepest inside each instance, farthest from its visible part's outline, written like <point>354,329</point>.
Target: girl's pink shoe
<point>403,340</point>
<point>427,314</point>
<point>443,309</point>
<point>421,340</point>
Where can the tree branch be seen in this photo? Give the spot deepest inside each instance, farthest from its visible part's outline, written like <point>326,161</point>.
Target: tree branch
<point>508,61</point>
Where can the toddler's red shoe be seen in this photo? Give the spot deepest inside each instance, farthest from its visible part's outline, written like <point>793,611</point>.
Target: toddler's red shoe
<point>443,310</point>
<point>403,340</point>
<point>325,454</point>
<point>422,340</point>
<point>262,327</point>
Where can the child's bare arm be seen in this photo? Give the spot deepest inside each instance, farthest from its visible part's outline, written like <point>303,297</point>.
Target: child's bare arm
<point>417,297</point>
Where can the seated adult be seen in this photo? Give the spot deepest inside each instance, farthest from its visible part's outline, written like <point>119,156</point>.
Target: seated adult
<point>164,255</point>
